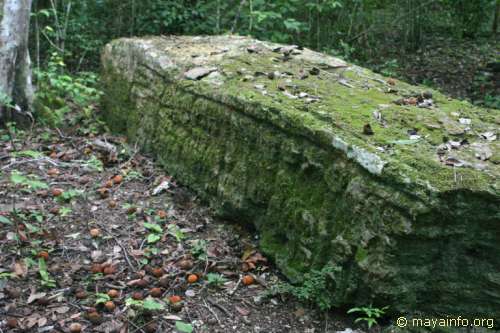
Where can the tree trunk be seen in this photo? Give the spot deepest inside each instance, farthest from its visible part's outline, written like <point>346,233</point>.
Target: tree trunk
<point>495,19</point>
<point>15,65</point>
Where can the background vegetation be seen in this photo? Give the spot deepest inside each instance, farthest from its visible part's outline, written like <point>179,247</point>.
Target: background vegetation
<point>451,44</point>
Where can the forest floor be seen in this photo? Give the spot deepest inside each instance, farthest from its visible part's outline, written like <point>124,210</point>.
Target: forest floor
<point>95,238</point>
<point>462,68</point>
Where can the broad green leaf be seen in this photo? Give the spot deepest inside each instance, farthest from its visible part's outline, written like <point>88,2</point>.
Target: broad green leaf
<point>29,153</point>
<point>183,327</point>
<point>153,227</point>
<point>17,178</point>
<point>5,220</point>
<point>152,305</point>
<point>153,238</point>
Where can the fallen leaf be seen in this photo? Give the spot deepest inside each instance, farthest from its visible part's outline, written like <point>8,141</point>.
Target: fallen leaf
<point>242,311</point>
<point>20,269</point>
<point>35,296</point>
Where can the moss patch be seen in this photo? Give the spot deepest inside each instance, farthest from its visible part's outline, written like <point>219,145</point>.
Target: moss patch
<point>288,154</point>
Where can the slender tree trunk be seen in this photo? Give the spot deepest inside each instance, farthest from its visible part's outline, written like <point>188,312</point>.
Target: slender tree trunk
<point>496,18</point>
<point>15,65</point>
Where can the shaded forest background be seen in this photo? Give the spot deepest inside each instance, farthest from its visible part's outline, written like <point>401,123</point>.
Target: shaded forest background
<point>448,44</point>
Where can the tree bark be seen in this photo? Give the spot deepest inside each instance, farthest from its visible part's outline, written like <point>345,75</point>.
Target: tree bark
<point>15,65</point>
<point>495,19</point>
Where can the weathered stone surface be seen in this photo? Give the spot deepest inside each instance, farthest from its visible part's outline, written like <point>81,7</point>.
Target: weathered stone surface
<point>278,137</point>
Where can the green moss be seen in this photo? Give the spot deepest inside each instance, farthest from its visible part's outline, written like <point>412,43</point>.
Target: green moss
<point>296,171</point>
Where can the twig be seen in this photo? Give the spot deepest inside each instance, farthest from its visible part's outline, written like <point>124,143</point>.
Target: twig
<point>211,311</point>
<point>232,291</point>
<point>46,159</point>
<point>137,328</point>
<point>125,252</point>
<point>220,307</point>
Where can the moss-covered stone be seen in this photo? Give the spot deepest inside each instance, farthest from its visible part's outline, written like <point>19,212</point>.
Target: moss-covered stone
<point>275,137</point>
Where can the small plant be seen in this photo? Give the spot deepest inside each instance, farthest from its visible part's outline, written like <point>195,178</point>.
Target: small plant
<point>69,195</point>
<point>368,314</point>
<point>215,279</point>
<point>155,234</point>
<point>29,183</point>
<point>56,88</point>
<point>199,249</point>
<point>65,211</point>
<point>314,289</point>
<point>101,298</point>
<point>93,163</point>
<point>148,304</point>
<point>5,100</point>
<point>183,327</point>
<point>133,175</point>
<point>175,231</point>
<point>46,280</point>
<point>28,153</point>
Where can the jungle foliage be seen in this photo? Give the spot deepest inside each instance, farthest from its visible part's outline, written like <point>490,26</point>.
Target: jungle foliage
<point>389,36</point>
<point>360,29</point>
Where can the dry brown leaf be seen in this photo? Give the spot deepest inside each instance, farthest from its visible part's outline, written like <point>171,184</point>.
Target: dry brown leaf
<point>34,296</point>
<point>20,269</point>
<point>242,311</point>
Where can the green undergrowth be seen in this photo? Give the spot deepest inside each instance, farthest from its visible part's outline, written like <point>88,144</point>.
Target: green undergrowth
<point>64,98</point>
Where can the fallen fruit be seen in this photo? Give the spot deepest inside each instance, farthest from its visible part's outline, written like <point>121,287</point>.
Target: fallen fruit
<point>248,280</point>
<point>151,328</point>
<point>110,306</point>
<point>75,328</point>
<point>156,292</point>
<point>95,232</point>
<point>142,283</point>
<point>113,293</point>
<point>161,214</point>
<point>108,270</point>
<point>94,317</point>
<point>131,210</point>
<point>186,264</point>
<point>192,278</point>
<point>108,184</point>
<point>112,204</point>
<point>103,192</point>
<point>157,272</point>
<point>12,323</point>
<point>117,179</point>
<point>44,255</point>
<point>174,299</point>
<point>52,172</point>
<point>57,192</point>
<point>96,268</point>
<point>164,282</point>
<point>137,296</point>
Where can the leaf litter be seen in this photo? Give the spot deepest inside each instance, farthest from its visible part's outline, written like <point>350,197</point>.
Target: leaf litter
<point>102,241</point>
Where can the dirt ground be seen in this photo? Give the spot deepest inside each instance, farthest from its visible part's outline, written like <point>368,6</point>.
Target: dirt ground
<point>95,238</point>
